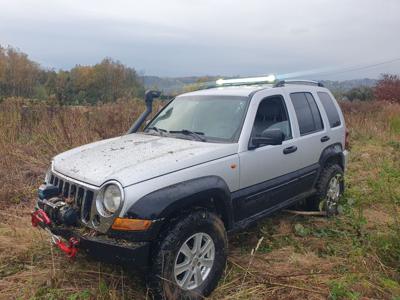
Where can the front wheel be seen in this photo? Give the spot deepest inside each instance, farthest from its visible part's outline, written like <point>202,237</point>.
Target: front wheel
<point>190,259</point>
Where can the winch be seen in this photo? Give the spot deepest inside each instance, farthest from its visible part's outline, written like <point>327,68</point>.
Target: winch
<point>59,209</point>
<point>56,210</point>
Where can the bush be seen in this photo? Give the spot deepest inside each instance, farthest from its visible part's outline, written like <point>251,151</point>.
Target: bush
<point>388,88</point>
<point>362,93</point>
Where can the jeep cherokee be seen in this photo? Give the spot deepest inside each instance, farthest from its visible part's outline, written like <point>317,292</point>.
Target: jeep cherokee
<point>211,162</point>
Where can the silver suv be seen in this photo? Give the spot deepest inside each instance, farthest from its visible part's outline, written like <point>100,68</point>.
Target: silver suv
<point>211,162</point>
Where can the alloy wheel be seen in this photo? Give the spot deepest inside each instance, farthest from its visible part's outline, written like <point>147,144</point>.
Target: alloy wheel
<point>194,261</point>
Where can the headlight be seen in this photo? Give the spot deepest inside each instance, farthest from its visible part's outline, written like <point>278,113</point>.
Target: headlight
<point>111,198</point>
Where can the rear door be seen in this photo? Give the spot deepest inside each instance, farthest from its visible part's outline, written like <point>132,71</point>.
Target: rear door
<point>312,136</point>
<point>334,118</point>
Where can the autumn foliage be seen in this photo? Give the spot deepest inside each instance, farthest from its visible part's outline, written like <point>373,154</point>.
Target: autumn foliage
<point>104,82</point>
<point>388,89</point>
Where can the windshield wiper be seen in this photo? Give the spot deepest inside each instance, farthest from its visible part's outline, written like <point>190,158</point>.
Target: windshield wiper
<point>158,130</point>
<point>196,134</point>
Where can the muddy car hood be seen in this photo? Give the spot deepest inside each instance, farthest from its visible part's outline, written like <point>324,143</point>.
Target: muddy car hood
<point>133,158</point>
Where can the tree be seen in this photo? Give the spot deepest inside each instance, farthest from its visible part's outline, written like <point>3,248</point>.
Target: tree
<point>362,93</point>
<point>18,74</point>
<point>388,88</point>
<point>106,81</point>
<point>103,82</point>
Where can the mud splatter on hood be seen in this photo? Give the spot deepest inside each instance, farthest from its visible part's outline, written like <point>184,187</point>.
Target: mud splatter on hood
<point>136,157</point>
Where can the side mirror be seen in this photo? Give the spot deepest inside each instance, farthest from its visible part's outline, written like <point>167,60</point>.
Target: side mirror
<point>273,136</point>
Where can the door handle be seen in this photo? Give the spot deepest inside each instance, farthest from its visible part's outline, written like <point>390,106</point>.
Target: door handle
<point>325,138</point>
<point>290,149</point>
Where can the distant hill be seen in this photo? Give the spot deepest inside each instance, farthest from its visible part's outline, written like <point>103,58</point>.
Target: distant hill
<point>169,85</point>
<point>174,85</point>
<point>346,85</point>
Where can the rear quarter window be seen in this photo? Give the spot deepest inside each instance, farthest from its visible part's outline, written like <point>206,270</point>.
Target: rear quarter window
<point>330,109</point>
<point>307,113</point>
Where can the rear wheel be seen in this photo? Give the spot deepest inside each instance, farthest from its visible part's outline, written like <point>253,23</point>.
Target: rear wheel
<point>330,188</point>
<point>190,259</point>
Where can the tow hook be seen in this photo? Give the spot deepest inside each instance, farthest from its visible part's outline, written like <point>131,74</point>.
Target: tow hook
<point>39,217</point>
<point>69,249</point>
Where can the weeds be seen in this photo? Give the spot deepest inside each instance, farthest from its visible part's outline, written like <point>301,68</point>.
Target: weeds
<point>353,256</point>
<point>340,290</point>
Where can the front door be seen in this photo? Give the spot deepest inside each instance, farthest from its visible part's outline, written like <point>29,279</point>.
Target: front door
<point>266,172</point>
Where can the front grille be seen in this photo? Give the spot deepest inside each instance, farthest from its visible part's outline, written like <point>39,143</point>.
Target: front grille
<point>82,197</point>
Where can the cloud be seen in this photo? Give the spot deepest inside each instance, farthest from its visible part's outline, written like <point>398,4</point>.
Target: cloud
<point>187,37</point>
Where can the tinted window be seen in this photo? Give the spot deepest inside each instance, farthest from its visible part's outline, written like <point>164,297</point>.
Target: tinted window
<point>272,114</point>
<point>330,109</point>
<point>315,112</point>
<point>307,113</point>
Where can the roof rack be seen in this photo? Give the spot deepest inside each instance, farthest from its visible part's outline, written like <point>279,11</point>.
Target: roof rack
<point>306,82</point>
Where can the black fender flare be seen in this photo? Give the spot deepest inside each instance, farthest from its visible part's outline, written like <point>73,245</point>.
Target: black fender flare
<point>160,204</point>
<point>332,151</point>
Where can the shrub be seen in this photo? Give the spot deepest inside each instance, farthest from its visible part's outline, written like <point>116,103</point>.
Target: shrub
<point>388,88</point>
<point>362,93</point>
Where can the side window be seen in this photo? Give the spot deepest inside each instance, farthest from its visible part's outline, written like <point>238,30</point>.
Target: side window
<point>330,109</point>
<point>307,113</point>
<point>272,113</point>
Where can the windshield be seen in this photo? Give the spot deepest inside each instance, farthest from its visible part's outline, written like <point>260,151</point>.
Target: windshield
<point>216,118</point>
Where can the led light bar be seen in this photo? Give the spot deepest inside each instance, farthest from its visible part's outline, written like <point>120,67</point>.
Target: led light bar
<point>250,80</point>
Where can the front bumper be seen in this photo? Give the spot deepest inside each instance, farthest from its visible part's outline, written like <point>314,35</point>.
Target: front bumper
<point>132,254</point>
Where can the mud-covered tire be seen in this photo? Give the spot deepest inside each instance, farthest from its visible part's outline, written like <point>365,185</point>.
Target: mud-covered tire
<point>162,278</point>
<point>321,201</point>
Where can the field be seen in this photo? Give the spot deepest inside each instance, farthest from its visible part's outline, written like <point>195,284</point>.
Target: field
<point>353,256</point>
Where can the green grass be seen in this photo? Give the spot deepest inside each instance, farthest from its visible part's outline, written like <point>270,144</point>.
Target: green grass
<point>365,238</point>
<point>341,289</point>
<point>355,255</point>
<point>395,124</point>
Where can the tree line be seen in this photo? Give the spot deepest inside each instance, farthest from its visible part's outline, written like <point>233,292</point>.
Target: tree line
<point>110,80</point>
<point>106,81</point>
<point>387,88</point>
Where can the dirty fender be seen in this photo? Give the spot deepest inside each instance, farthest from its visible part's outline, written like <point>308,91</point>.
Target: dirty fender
<point>165,201</point>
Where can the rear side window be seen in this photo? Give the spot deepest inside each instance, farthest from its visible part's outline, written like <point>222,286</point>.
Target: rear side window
<point>330,109</point>
<point>307,113</point>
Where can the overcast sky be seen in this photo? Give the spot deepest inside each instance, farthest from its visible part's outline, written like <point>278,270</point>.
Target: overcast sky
<point>198,37</point>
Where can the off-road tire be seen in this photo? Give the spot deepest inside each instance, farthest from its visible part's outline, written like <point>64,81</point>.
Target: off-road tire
<point>317,201</point>
<point>161,278</point>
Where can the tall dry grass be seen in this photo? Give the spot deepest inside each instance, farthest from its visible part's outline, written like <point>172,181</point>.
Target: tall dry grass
<point>32,133</point>
<point>371,120</point>
<point>314,262</point>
